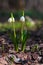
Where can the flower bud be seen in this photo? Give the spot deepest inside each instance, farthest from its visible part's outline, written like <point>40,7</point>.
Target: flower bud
<point>11,20</point>
<point>22,19</point>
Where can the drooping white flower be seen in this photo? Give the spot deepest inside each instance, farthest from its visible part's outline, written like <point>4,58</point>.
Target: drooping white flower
<point>22,19</point>
<point>11,20</point>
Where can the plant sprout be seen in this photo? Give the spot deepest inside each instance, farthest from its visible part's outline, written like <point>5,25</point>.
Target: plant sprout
<point>13,34</point>
<point>23,33</point>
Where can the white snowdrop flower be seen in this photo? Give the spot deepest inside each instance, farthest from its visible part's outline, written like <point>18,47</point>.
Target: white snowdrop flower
<point>11,20</point>
<point>22,19</point>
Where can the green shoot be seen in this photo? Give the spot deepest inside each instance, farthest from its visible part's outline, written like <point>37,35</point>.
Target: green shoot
<point>13,35</point>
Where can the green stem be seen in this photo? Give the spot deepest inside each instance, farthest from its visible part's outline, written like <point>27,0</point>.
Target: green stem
<point>23,12</point>
<point>16,44</point>
<point>14,34</point>
<point>22,38</point>
<point>23,46</point>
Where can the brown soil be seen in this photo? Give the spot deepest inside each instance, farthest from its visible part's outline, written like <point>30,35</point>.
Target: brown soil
<point>29,58</point>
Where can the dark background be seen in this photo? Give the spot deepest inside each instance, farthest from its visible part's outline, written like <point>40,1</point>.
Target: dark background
<point>32,8</point>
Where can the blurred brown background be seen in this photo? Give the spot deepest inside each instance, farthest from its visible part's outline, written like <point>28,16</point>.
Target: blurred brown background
<point>7,5</point>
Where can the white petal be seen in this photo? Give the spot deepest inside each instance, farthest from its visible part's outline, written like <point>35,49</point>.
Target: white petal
<point>22,19</point>
<point>10,20</point>
<point>13,20</point>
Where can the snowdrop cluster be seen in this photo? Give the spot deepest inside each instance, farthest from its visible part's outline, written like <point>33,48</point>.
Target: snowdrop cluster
<point>22,19</point>
<point>12,19</point>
